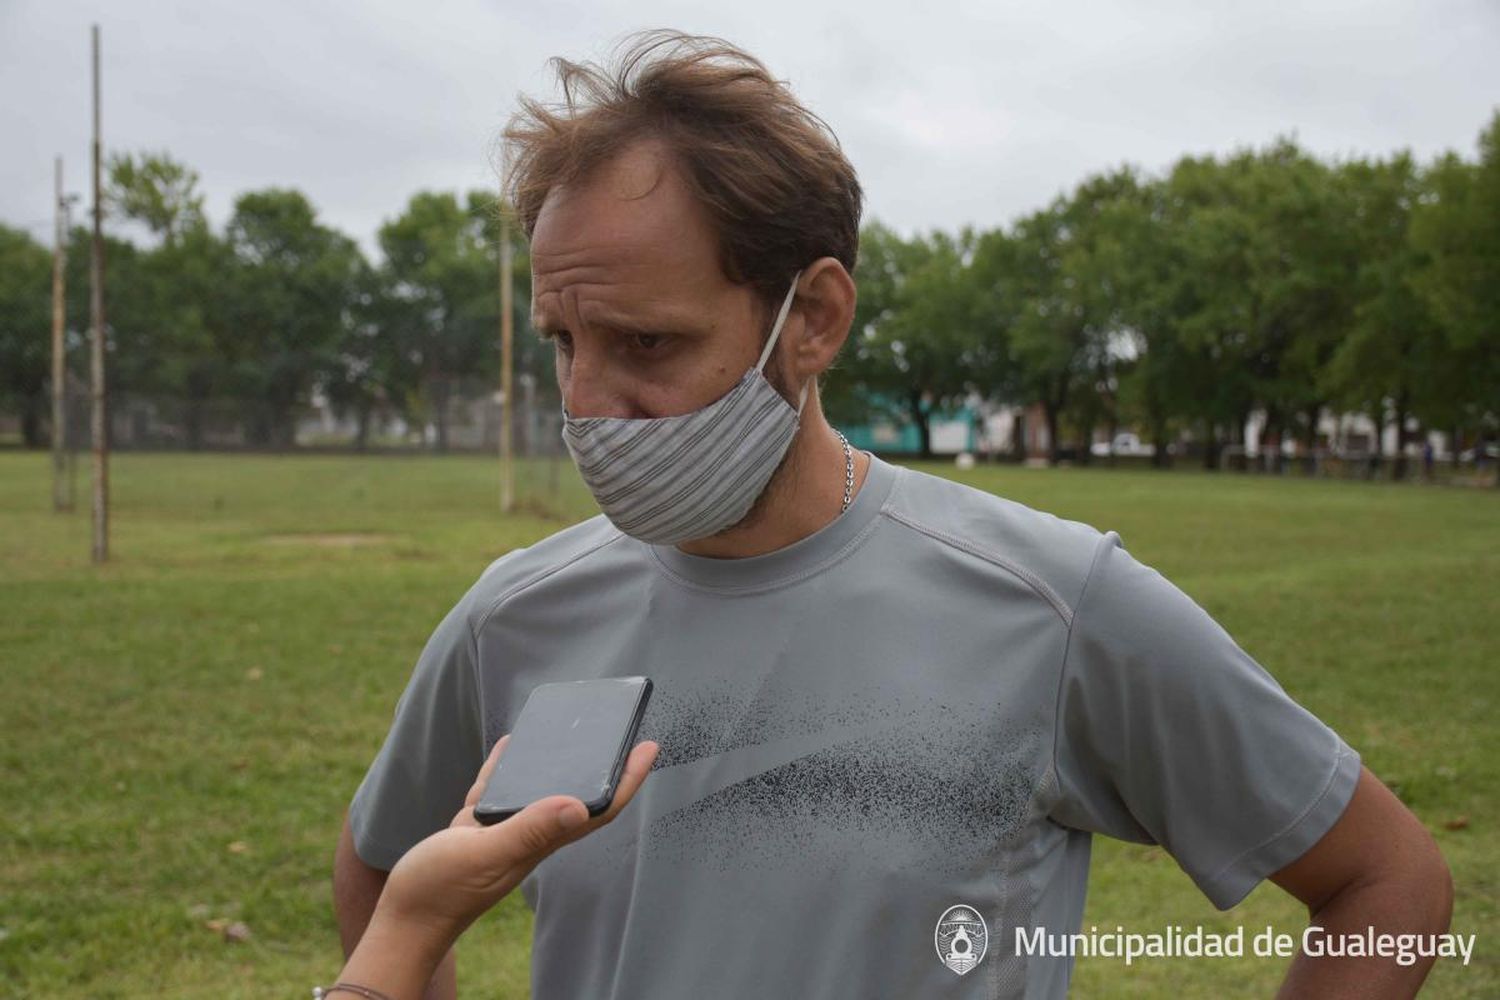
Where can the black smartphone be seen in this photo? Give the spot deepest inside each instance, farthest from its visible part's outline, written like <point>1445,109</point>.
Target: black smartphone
<point>570,738</point>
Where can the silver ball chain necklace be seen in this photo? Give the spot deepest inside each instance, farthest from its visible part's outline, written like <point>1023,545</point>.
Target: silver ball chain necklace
<point>848,471</point>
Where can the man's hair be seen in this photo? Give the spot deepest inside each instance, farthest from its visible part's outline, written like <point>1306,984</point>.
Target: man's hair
<point>771,174</point>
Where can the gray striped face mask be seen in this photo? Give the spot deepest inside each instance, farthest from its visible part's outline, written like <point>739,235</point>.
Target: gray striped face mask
<point>666,480</point>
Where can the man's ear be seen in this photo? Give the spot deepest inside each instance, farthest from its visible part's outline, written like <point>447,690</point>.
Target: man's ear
<point>824,309</point>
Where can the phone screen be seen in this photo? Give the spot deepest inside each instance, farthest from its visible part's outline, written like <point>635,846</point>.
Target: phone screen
<point>571,738</point>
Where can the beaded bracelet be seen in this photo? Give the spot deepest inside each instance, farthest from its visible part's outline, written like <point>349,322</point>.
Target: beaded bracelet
<point>319,992</point>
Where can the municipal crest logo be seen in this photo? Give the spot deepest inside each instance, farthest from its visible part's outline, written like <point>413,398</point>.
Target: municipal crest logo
<point>961,938</point>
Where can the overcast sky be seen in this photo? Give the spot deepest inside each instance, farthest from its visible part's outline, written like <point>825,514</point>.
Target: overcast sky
<point>952,113</point>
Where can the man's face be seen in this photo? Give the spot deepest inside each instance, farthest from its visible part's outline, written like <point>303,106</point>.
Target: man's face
<point>626,276</point>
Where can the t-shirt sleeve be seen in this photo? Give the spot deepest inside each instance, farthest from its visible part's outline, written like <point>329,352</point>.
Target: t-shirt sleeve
<point>1169,733</point>
<point>431,754</point>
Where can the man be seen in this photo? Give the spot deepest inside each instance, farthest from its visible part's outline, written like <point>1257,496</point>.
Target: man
<point>892,709</point>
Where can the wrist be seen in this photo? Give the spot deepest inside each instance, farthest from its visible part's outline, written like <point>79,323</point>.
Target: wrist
<point>397,955</point>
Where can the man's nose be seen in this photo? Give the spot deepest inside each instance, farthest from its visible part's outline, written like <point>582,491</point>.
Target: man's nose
<point>591,390</point>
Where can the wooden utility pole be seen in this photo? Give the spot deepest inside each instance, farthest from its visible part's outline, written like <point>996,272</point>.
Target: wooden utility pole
<point>96,302</point>
<point>60,499</point>
<point>507,460</point>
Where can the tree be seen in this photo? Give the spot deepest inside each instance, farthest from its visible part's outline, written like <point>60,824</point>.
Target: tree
<point>1065,266</point>
<point>1457,225</point>
<point>440,272</point>
<point>1100,220</point>
<point>1304,255</point>
<point>878,275</point>
<point>918,338</point>
<point>1047,335</point>
<point>1201,299</point>
<point>1163,384</point>
<point>1380,357</point>
<point>133,362</point>
<point>190,276</point>
<point>157,191</point>
<point>996,304</point>
<point>369,372</point>
<point>1252,273</point>
<point>293,293</point>
<point>25,319</point>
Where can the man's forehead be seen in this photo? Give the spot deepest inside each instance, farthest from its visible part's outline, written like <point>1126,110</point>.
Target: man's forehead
<point>633,173</point>
<point>636,203</point>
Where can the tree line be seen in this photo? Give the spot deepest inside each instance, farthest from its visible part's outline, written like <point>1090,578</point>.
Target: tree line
<point>263,311</point>
<point>1266,279</point>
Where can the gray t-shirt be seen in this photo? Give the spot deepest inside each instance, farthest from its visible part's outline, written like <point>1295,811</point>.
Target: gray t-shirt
<point>930,702</point>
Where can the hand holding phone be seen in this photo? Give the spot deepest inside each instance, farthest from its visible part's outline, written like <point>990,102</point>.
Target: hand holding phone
<point>570,738</point>
<point>446,881</point>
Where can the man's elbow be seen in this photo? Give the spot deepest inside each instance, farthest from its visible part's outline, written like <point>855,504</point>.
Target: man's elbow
<point>1424,880</point>
<point>1437,891</point>
<point>1415,880</point>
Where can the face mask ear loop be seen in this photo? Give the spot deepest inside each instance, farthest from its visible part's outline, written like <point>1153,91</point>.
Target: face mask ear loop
<point>802,400</point>
<point>786,307</point>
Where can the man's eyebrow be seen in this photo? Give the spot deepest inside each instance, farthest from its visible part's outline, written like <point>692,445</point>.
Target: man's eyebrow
<point>624,322</point>
<point>646,324</point>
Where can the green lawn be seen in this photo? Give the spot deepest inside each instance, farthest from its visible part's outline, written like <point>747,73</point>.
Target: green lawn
<point>221,683</point>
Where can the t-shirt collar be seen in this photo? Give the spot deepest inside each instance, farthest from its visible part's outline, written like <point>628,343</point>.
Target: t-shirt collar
<point>799,559</point>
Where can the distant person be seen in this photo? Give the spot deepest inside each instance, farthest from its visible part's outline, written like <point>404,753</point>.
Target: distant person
<point>892,709</point>
<point>1427,459</point>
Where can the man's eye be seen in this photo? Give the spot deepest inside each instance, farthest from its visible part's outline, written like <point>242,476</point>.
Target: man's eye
<point>563,337</point>
<point>647,341</point>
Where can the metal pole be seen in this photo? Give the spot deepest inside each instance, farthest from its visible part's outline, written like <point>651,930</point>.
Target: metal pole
<point>96,298</point>
<point>507,460</point>
<point>60,501</point>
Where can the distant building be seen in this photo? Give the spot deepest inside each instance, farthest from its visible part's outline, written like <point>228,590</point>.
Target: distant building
<point>952,429</point>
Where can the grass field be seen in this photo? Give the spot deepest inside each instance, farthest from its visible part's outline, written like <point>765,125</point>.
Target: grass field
<point>183,728</point>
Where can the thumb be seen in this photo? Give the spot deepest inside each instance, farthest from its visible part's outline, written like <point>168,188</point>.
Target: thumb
<point>543,826</point>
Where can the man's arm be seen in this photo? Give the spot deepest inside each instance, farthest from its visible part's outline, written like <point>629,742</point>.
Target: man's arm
<point>1377,866</point>
<point>356,888</point>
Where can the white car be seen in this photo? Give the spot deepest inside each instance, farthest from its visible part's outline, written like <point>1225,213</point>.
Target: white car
<point>1491,450</point>
<point>1125,443</point>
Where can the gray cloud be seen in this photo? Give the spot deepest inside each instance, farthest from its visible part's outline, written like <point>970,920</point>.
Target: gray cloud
<point>968,112</point>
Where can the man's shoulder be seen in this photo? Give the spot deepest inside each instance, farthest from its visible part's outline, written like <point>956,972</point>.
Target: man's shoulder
<point>570,550</point>
<point>1051,553</point>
